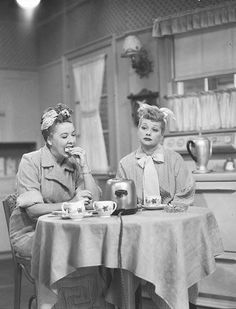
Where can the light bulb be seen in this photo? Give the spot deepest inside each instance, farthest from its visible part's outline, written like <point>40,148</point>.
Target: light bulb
<point>28,4</point>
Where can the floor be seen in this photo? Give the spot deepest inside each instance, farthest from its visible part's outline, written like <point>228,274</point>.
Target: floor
<point>7,289</point>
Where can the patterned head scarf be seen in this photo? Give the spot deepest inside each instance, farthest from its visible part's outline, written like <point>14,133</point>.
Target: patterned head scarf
<point>154,113</point>
<point>58,114</point>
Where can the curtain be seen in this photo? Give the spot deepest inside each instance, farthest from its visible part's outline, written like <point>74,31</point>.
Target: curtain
<point>195,19</point>
<point>232,115</point>
<point>227,107</point>
<point>210,113</point>
<point>204,111</point>
<point>187,113</point>
<point>88,76</point>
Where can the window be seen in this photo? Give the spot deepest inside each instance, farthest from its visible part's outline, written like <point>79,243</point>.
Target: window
<point>205,53</point>
<point>221,82</point>
<point>106,106</point>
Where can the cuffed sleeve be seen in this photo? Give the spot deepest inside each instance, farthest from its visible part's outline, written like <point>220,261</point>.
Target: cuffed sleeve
<point>28,183</point>
<point>185,184</point>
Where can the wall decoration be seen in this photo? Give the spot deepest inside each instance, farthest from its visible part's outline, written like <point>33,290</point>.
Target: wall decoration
<point>145,96</point>
<point>133,49</point>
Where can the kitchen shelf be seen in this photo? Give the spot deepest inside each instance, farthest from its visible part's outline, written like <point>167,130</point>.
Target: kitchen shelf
<point>183,133</point>
<point>10,156</point>
<point>222,141</point>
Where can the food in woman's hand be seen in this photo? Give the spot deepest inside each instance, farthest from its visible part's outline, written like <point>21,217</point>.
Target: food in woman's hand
<point>68,150</point>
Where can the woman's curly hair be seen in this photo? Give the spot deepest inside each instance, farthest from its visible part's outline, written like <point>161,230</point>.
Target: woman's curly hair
<point>152,113</point>
<point>155,113</point>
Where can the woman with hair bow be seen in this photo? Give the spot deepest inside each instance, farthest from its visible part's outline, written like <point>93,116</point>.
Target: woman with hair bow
<point>56,173</point>
<point>155,170</point>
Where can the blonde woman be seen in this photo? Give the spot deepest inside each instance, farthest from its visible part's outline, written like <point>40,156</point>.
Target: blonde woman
<point>168,175</point>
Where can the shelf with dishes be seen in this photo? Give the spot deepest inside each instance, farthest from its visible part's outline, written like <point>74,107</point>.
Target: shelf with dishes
<point>10,155</point>
<point>222,140</point>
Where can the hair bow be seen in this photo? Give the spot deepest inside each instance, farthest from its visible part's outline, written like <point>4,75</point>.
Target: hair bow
<point>167,113</point>
<point>143,107</point>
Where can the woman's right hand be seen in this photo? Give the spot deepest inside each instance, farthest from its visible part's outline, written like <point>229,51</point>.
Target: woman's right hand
<point>80,155</point>
<point>85,195</point>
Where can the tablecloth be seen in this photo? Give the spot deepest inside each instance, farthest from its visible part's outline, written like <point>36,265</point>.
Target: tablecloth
<point>171,251</point>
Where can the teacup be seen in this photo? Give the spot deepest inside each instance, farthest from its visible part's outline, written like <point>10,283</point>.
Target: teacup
<point>152,201</point>
<point>73,209</point>
<point>104,208</point>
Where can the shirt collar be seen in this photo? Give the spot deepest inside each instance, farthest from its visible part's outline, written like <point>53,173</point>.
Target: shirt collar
<point>48,160</point>
<point>157,156</point>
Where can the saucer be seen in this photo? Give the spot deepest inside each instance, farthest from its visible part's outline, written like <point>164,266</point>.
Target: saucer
<point>63,215</point>
<point>159,207</point>
<point>88,214</point>
<point>108,216</point>
<point>73,217</point>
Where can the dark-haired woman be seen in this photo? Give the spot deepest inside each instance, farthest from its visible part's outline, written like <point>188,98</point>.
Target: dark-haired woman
<point>56,173</point>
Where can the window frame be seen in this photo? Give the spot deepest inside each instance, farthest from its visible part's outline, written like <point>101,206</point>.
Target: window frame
<point>86,52</point>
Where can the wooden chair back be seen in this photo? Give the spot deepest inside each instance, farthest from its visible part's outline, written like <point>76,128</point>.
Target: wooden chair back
<point>20,263</point>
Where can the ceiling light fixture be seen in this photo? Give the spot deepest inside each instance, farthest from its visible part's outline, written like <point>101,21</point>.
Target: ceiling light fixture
<point>28,4</point>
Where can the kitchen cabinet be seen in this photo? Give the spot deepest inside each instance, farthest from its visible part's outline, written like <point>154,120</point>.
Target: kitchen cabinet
<point>7,186</point>
<point>217,191</point>
<point>10,155</point>
<point>19,107</point>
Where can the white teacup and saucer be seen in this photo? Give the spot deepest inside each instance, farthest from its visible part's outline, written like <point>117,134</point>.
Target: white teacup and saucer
<point>104,208</point>
<point>73,210</point>
<point>153,202</point>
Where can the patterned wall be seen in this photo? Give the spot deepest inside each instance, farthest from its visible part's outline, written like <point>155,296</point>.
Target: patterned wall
<point>17,47</point>
<point>93,19</point>
<point>83,21</point>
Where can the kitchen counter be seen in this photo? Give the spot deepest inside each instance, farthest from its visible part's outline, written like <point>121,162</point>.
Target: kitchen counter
<point>216,176</point>
<point>219,180</point>
<point>217,191</point>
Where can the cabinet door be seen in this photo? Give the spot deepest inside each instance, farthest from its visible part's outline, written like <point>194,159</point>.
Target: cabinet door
<point>219,289</point>
<point>7,185</point>
<point>19,110</point>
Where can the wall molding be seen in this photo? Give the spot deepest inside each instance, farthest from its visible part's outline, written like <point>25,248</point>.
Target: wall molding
<point>6,255</point>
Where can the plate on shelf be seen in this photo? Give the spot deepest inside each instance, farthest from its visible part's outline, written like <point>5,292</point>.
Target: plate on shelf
<point>159,207</point>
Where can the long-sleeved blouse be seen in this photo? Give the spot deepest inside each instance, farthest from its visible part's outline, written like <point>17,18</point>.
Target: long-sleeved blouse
<point>175,179</point>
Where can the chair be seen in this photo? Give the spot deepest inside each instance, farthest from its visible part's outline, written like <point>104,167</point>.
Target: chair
<point>20,263</point>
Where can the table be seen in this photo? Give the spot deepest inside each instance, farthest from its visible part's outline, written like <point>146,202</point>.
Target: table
<point>170,251</point>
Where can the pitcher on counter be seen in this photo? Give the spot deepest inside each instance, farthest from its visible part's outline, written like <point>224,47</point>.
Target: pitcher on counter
<point>157,171</point>
<point>56,173</point>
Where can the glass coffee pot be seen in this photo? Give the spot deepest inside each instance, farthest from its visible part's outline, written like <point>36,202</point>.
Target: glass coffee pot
<point>200,149</point>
